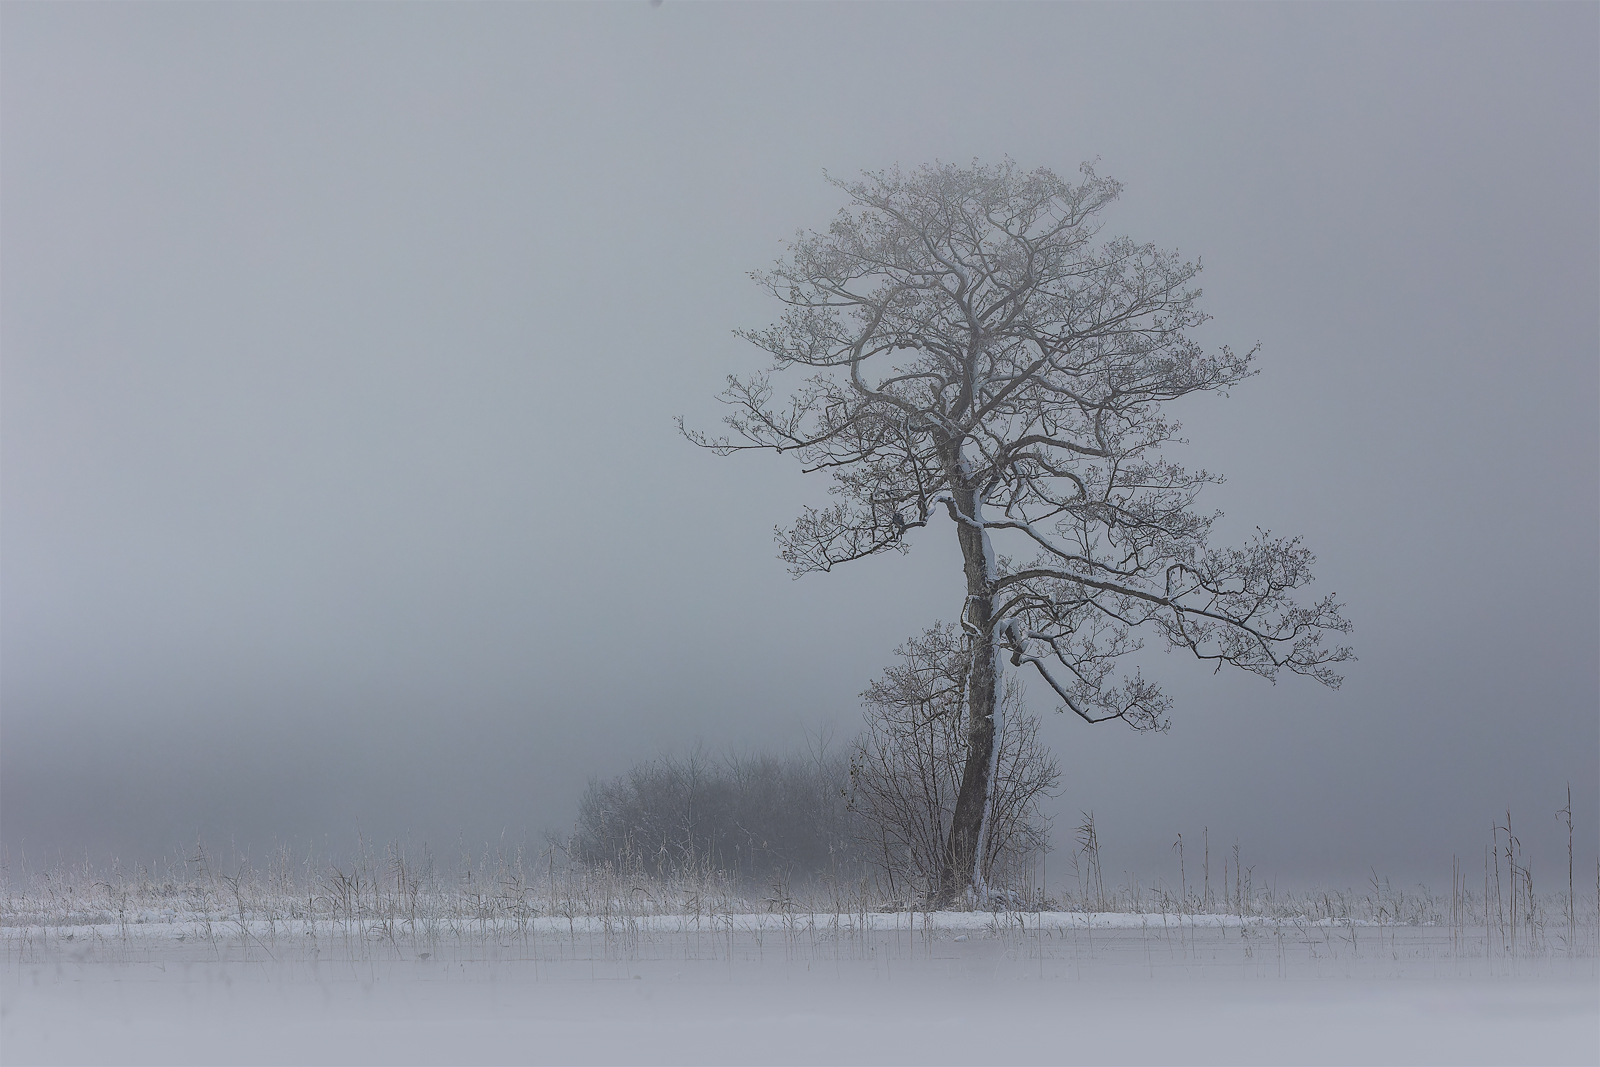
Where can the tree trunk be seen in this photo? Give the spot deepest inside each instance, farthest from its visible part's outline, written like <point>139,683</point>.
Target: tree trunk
<point>963,852</point>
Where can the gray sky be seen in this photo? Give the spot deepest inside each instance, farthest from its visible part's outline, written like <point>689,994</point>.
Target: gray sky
<point>341,346</point>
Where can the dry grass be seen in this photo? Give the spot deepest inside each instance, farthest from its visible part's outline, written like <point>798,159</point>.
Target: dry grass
<point>397,897</point>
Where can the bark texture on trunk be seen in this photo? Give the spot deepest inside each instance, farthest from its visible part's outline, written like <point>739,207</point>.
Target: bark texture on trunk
<point>966,825</point>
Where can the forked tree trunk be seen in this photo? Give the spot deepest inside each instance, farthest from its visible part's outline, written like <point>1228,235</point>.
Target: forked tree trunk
<point>963,851</point>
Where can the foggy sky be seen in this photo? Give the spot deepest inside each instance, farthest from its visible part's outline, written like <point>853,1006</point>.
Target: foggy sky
<point>341,347</point>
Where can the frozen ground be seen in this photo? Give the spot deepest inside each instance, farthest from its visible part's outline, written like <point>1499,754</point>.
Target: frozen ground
<point>952,988</point>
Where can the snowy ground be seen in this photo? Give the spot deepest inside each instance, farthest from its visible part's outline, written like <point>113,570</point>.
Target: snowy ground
<point>950,988</point>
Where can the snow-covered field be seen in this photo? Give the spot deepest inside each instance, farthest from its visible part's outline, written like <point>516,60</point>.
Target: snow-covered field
<point>973,987</point>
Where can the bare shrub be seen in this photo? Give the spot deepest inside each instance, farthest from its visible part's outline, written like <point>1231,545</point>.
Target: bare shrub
<point>907,767</point>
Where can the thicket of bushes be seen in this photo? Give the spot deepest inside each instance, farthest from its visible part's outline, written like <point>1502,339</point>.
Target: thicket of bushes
<point>758,818</point>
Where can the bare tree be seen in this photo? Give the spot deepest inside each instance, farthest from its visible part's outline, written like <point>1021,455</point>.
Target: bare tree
<point>905,772</point>
<point>974,350</point>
